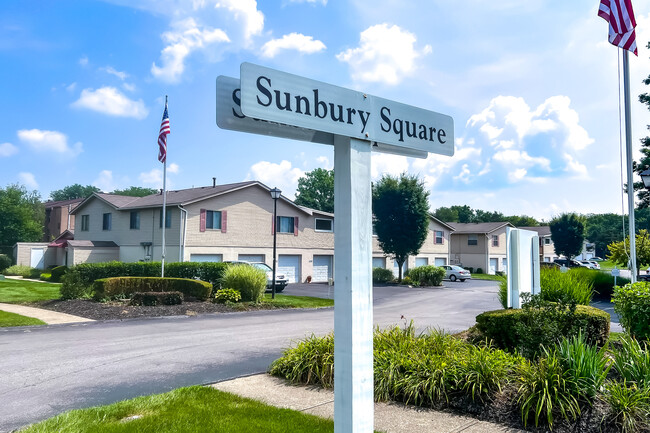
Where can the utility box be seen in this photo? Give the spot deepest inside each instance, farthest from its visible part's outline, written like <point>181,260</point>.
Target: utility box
<point>522,249</point>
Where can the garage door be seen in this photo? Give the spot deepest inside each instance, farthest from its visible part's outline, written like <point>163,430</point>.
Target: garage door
<point>421,261</point>
<point>37,259</point>
<point>440,262</point>
<point>251,258</point>
<point>379,262</point>
<point>206,257</point>
<point>322,269</point>
<point>289,266</point>
<point>405,267</point>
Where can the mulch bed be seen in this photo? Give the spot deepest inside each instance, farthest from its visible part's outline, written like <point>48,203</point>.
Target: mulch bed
<point>117,310</point>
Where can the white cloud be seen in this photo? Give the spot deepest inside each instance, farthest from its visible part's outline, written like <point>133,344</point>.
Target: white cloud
<point>71,87</point>
<point>185,38</point>
<point>385,54</point>
<point>129,87</point>
<point>105,181</point>
<point>111,70</point>
<point>110,101</point>
<point>324,2</point>
<point>293,41</point>
<point>8,149</point>
<point>246,11</point>
<point>281,175</point>
<point>28,180</point>
<point>384,163</point>
<point>324,162</point>
<point>83,61</point>
<point>154,177</point>
<point>48,141</point>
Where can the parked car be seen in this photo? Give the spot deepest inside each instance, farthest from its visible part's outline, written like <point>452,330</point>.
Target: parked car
<point>281,280</point>
<point>569,264</point>
<point>591,264</point>
<point>596,259</point>
<point>454,273</point>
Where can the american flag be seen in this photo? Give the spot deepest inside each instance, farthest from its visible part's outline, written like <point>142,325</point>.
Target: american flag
<point>162,136</point>
<point>620,16</point>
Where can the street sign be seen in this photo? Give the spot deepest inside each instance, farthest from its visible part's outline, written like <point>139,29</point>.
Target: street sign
<point>298,101</point>
<point>616,272</point>
<point>230,116</point>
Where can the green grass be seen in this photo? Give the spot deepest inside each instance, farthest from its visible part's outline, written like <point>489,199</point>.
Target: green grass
<point>192,409</point>
<point>487,277</point>
<point>11,319</point>
<point>288,301</point>
<point>607,265</point>
<point>17,291</point>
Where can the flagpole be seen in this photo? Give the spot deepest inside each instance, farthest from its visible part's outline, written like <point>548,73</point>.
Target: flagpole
<point>630,173</point>
<point>164,210</point>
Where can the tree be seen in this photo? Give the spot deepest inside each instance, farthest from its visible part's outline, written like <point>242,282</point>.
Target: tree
<point>73,191</point>
<point>619,252</point>
<point>316,190</point>
<point>135,191</point>
<point>21,215</point>
<point>603,229</point>
<point>644,163</point>
<point>446,214</point>
<point>568,234</point>
<point>522,221</point>
<point>401,211</point>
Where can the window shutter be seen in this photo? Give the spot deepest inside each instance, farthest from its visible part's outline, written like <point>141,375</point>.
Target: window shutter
<point>224,221</point>
<point>295,226</point>
<point>202,223</point>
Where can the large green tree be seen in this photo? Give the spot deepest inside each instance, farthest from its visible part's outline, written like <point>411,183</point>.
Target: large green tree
<point>643,194</point>
<point>135,191</point>
<point>619,252</point>
<point>568,234</point>
<point>21,215</point>
<point>401,210</point>
<point>316,190</point>
<point>603,229</point>
<point>73,191</point>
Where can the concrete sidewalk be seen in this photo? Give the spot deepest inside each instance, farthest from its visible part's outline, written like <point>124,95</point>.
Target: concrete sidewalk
<point>47,316</point>
<point>389,417</point>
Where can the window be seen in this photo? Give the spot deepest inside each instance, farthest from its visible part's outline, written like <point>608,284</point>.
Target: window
<point>495,240</point>
<point>547,241</point>
<point>472,239</point>
<point>439,237</point>
<point>135,220</point>
<point>213,220</point>
<point>168,219</point>
<point>285,224</point>
<point>106,221</point>
<point>85,223</point>
<point>324,225</point>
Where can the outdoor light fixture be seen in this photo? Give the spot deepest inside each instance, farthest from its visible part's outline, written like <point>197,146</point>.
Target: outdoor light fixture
<point>275,195</point>
<point>645,176</point>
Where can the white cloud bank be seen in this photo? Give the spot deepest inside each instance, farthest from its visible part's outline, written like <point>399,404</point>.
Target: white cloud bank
<point>49,141</point>
<point>28,180</point>
<point>385,54</point>
<point>155,176</point>
<point>7,149</point>
<point>281,175</point>
<point>110,101</point>
<point>293,41</point>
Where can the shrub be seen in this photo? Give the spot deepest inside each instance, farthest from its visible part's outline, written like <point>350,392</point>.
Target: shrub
<point>57,273</point>
<point>427,275</point>
<point>5,262</point>
<point>35,273</point>
<point>247,280</point>
<point>572,286</point>
<point>629,406</point>
<point>381,275</point>
<point>73,287</point>
<point>479,270</point>
<point>310,362</point>
<point>156,298</point>
<point>212,272</point>
<point>46,276</point>
<point>409,282</point>
<point>19,270</point>
<point>470,269</point>
<point>227,295</point>
<point>110,288</point>
<point>542,323</point>
<point>632,362</point>
<point>632,304</point>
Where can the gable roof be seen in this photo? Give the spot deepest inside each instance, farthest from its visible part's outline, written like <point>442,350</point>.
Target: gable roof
<point>541,230</point>
<point>441,222</point>
<point>483,228</point>
<point>60,203</point>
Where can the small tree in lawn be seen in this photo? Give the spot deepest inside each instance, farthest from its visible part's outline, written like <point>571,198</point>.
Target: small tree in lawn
<point>401,210</point>
<point>568,234</point>
<point>619,252</point>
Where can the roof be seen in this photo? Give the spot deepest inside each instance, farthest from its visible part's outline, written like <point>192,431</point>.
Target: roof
<point>60,203</point>
<point>441,222</point>
<point>96,244</point>
<point>541,230</point>
<point>484,228</point>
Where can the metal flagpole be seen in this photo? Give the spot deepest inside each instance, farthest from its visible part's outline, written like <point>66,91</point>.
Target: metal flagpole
<point>164,209</point>
<point>630,173</point>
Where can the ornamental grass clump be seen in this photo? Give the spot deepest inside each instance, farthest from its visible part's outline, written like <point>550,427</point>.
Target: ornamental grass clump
<point>632,362</point>
<point>310,362</point>
<point>572,286</point>
<point>629,406</point>
<point>249,281</point>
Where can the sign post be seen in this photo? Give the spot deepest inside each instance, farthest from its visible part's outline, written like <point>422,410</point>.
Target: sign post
<point>274,103</point>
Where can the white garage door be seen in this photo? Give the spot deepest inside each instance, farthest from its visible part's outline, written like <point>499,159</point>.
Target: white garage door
<point>289,266</point>
<point>206,257</point>
<point>379,262</point>
<point>322,269</point>
<point>405,267</point>
<point>251,258</point>
<point>37,260</point>
<point>421,261</point>
<point>440,261</point>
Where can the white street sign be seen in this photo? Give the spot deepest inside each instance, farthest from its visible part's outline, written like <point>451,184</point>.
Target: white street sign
<point>616,272</point>
<point>293,100</point>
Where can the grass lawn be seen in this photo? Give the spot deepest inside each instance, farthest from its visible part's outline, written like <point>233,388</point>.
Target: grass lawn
<point>12,319</point>
<point>606,265</point>
<point>486,277</point>
<point>17,291</point>
<point>192,409</point>
<point>288,301</point>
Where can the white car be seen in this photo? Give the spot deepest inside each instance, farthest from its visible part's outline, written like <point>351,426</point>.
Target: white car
<point>590,264</point>
<point>454,273</point>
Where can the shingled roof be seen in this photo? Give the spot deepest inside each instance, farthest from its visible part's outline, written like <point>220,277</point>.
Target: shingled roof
<point>478,227</point>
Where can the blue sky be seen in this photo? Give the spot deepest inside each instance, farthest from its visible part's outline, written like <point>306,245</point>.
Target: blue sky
<point>532,87</point>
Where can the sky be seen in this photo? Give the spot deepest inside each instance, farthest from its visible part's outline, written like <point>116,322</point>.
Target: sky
<point>532,86</point>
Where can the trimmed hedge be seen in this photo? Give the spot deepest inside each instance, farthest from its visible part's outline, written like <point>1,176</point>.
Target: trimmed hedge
<point>632,304</point>
<point>527,328</point>
<point>5,262</point>
<point>57,273</point>
<point>381,275</point>
<point>427,275</point>
<point>110,288</point>
<point>152,299</point>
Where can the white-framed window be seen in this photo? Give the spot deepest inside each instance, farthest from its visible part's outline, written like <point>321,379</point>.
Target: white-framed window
<point>107,221</point>
<point>85,223</point>
<point>439,237</point>
<point>285,224</point>
<point>495,240</point>
<point>213,220</point>
<point>134,223</point>
<point>324,225</point>
<point>472,239</point>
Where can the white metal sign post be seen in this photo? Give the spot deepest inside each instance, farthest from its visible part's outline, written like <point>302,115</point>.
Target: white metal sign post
<point>275,103</point>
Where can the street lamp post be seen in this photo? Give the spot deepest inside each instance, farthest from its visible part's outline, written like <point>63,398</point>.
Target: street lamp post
<point>645,176</point>
<point>275,195</point>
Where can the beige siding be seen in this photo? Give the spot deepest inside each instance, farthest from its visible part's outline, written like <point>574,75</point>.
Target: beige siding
<point>92,255</point>
<point>23,252</point>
